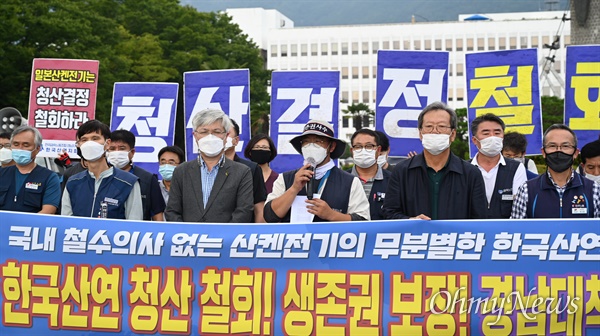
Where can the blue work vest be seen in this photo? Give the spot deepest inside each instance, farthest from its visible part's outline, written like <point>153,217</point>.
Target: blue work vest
<point>544,201</point>
<point>31,195</point>
<point>114,190</point>
<point>500,205</point>
<point>336,191</point>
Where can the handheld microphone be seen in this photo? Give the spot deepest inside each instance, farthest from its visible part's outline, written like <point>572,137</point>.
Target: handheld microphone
<point>310,184</point>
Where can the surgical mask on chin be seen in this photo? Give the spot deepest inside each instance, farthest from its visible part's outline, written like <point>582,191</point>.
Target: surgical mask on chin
<point>92,151</point>
<point>436,143</point>
<point>119,159</point>
<point>22,157</point>
<point>166,171</point>
<point>5,155</point>
<point>595,178</point>
<point>382,159</point>
<point>314,151</point>
<point>490,146</point>
<point>210,145</point>
<point>364,158</point>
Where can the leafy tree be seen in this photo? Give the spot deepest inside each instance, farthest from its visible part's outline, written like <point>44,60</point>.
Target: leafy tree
<point>360,113</point>
<point>460,145</point>
<point>150,40</point>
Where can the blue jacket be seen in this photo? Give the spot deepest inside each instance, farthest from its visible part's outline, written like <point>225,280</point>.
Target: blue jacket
<point>114,190</point>
<point>29,198</point>
<point>544,201</point>
<point>377,195</point>
<point>336,193</point>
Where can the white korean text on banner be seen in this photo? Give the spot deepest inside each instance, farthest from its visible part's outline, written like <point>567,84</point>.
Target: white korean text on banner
<point>148,111</point>
<point>61,98</point>
<point>226,90</point>
<point>407,81</point>
<point>296,98</point>
<point>582,92</point>
<point>506,84</point>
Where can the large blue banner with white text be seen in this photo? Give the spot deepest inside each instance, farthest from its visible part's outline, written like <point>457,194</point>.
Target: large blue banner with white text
<point>582,92</point>
<point>407,81</point>
<point>148,111</point>
<point>79,276</point>
<point>226,90</point>
<point>296,98</point>
<point>506,84</point>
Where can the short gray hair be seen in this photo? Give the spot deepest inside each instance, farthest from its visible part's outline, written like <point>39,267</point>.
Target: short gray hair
<point>438,106</point>
<point>209,116</point>
<point>26,128</point>
<point>559,127</point>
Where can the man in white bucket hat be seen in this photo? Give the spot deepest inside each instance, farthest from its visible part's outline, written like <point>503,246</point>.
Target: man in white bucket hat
<point>339,196</point>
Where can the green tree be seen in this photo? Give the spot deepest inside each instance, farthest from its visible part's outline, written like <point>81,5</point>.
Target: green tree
<point>361,114</point>
<point>460,145</point>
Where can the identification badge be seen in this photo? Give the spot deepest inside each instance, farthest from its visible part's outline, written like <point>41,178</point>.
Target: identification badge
<point>31,185</point>
<point>579,211</point>
<point>111,201</point>
<point>507,197</point>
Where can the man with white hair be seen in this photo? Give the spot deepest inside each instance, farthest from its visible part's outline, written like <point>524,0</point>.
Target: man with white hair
<point>26,186</point>
<point>211,188</point>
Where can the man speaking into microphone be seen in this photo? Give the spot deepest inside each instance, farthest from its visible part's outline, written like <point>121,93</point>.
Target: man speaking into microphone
<point>336,195</point>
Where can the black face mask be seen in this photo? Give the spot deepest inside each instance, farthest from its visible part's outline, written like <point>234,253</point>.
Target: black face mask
<point>260,156</point>
<point>559,161</point>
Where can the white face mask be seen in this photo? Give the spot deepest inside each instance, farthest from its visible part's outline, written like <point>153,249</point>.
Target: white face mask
<point>436,143</point>
<point>520,159</point>
<point>5,155</point>
<point>314,151</point>
<point>228,143</point>
<point>490,146</point>
<point>210,145</point>
<point>364,158</point>
<point>595,178</point>
<point>92,151</point>
<point>382,159</point>
<point>119,159</point>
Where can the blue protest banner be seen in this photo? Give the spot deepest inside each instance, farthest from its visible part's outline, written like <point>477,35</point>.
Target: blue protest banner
<point>296,98</point>
<point>148,111</point>
<point>407,81</point>
<point>506,84</point>
<point>582,92</point>
<point>76,276</point>
<point>226,90</point>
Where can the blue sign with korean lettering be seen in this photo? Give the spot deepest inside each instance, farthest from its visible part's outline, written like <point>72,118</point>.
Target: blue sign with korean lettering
<point>506,84</point>
<point>148,111</point>
<point>296,98</point>
<point>76,276</point>
<point>226,90</point>
<point>407,81</point>
<point>582,92</point>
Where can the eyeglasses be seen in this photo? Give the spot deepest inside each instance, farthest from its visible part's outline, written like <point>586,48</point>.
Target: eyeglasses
<point>368,147</point>
<point>438,128</point>
<point>171,162</point>
<point>261,148</point>
<point>319,142</point>
<point>551,148</point>
<point>205,132</point>
<point>6,145</point>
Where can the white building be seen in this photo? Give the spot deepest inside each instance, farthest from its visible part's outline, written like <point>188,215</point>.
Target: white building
<point>353,49</point>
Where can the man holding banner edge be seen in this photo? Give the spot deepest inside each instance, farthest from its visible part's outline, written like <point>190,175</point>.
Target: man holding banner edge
<point>342,197</point>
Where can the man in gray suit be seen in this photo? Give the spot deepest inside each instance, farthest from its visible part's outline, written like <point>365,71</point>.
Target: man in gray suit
<point>211,188</point>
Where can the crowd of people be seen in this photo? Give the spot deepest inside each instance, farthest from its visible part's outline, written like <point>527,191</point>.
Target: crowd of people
<point>219,186</point>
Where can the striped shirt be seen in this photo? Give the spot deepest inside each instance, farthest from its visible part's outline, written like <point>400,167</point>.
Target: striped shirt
<point>208,177</point>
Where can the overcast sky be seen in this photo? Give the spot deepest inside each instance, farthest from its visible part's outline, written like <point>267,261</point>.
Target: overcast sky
<point>348,12</point>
